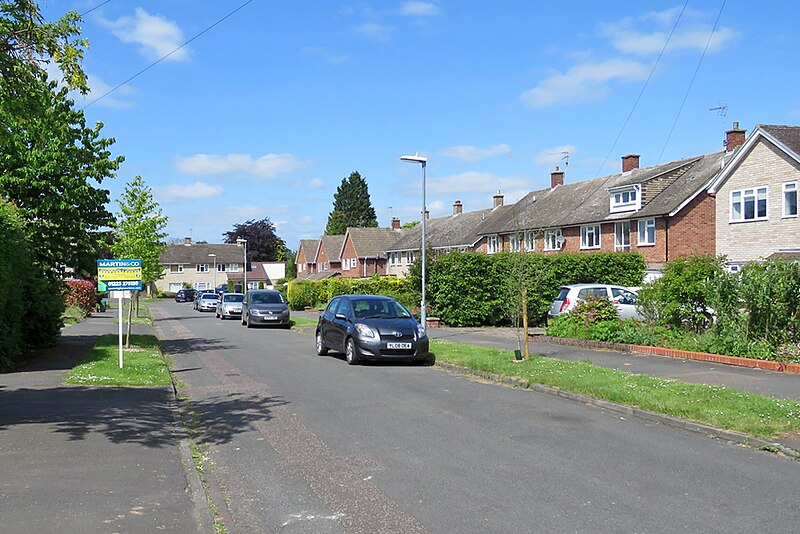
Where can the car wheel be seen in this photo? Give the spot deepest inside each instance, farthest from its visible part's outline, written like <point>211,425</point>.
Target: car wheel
<point>350,352</point>
<point>322,350</point>
<point>247,322</point>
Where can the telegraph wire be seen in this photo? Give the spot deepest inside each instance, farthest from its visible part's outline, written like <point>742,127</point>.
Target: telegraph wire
<point>95,7</point>
<point>165,56</point>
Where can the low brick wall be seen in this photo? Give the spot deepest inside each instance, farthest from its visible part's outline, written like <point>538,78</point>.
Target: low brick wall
<point>674,353</point>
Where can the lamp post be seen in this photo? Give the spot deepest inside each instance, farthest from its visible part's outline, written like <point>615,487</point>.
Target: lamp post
<point>422,160</point>
<point>243,242</point>
<point>215,269</point>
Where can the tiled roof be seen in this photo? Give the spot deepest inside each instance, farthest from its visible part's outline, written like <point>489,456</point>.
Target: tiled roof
<point>258,273</point>
<point>788,135</point>
<point>309,247</point>
<point>322,275</point>
<point>198,253</point>
<point>664,189</point>
<point>373,242</point>
<point>333,246</point>
<point>441,232</point>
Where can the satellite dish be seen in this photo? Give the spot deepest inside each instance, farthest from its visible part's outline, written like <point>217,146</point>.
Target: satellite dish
<point>560,241</point>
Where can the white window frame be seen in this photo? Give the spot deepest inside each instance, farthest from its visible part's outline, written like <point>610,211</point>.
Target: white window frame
<point>492,244</point>
<point>202,268</point>
<point>325,266</point>
<point>530,241</point>
<point>221,267</point>
<point>354,263</point>
<point>627,199</point>
<point>410,257</point>
<point>619,231</point>
<point>646,227</point>
<point>346,264</point>
<point>740,199</point>
<point>590,236</point>
<point>393,258</point>
<point>176,269</point>
<point>233,267</point>
<point>514,242</point>
<point>551,239</point>
<point>789,190</point>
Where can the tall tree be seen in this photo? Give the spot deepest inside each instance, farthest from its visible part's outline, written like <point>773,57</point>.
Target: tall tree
<point>263,244</point>
<point>351,206</point>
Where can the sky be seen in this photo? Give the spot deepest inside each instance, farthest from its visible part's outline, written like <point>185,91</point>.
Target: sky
<point>272,103</point>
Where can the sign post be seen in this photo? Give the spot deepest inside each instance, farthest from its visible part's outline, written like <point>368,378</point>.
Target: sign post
<point>120,277</point>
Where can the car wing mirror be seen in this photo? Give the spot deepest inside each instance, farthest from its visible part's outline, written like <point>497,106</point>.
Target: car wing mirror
<point>341,317</point>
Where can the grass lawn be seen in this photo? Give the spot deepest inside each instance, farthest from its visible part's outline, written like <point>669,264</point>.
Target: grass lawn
<point>721,407</point>
<point>303,322</point>
<point>143,364</point>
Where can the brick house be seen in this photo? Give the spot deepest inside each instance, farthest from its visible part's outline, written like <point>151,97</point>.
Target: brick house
<point>262,275</point>
<point>327,258</point>
<point>756,192</point>
<point>364,250</point>
<point>662,212</point>
<point>304,259</point>
<point>201,265</point>
<point>442,234</point>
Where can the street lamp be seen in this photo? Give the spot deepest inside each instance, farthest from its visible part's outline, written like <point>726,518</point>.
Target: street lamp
<point>243,242</point>
<point>423,161</point>
<point>215,269</point>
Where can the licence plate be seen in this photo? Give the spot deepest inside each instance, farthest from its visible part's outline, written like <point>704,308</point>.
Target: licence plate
<point>271,317</point>
<point>398,345</point>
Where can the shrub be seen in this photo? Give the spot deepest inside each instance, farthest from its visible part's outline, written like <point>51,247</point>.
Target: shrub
<point>81,294</point>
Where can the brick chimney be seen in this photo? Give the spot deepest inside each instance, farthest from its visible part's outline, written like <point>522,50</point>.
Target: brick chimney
<point>556,178</point>
<point>734,138</point>
<point>395,223</point>
<point>497,200</point>
<point>630,162</point>
<point>457,207</point>
<point>187,241</point>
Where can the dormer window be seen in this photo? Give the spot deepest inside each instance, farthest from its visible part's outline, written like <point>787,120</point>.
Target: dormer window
<point>625,199</point>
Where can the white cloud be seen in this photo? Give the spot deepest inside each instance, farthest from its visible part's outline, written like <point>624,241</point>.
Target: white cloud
<point>239,213</point>
<point>473,182</point>
<point>156,35</point>
<point>97,88</point>
<point>306,219</point>
<point>195,191</point>
<point>267,166</point>
<point>584,82</point>
<point>316,183</point>
<point>472,153</point>
<point>555,154</point>
<point>374,31</point>
<point>436,207</point>
<point>415,8</point>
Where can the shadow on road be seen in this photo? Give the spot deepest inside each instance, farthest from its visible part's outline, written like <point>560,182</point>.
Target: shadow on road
<point>188,346</point>
<point>221,418</point>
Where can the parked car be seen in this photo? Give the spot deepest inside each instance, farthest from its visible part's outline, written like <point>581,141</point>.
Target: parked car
<point>370,327</point>
<point>264,307</point>
<point>199,294</point>
<point>220,289</point>
<point>568,296</point>
<point>230,305</point>
<point>207,302</point>
<point>184,295</point>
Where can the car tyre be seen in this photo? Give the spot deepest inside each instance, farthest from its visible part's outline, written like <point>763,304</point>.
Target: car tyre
<point>350,352</point>
<point>322,350</point>
<point>247,322</point>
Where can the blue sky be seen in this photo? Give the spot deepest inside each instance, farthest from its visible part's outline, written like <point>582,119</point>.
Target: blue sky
<point>266,112</point>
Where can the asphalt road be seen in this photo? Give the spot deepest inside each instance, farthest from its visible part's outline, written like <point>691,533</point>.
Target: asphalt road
<point>304,443</point>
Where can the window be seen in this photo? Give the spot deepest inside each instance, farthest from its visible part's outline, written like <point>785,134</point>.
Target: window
<point>530,241</point>
<point>622,235</point>
<point>625,200</point>
<point>749,204</point>
<point>176,268</point>
<point>325,266</point>
<point>346,264</point>
<point>221,267</point>
<point>393,258</point>
<point>233,267</point>
<point>202,267</point>
<point>790,199</point>
<point>492,244</point>
<point>553,239</point>
<point>590,236</point>
<point>354,263</point>
<point>647,232</point>
<point>513,242</point>
<point>410,257</point>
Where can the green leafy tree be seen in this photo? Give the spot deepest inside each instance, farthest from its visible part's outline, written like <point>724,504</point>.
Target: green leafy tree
<point>352,206</point>
<point>263,243</point>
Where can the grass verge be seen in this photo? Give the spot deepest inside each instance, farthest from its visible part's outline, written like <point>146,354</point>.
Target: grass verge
<point>143,364</point>
<point>303,322</point>
<point>761,416</point>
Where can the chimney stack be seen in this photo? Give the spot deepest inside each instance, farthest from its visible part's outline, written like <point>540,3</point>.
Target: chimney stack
<point>556,178</point>
<point>457,207</point>
<point>630,162</point>
<point>187,241</point>
<point>395,223</point>
<point>734,138</point>
<point>497,200</point>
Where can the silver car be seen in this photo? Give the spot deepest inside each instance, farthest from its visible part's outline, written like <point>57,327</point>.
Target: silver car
<point>624,299</point>
<point>207,302</point>
<point>265,307</point>
<point>230,305</point>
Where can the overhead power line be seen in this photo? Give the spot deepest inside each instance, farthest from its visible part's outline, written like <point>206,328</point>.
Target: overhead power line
<point>165,56</point>
<point>95,7</point>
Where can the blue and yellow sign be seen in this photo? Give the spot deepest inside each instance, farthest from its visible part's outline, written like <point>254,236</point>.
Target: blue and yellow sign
<point>120,275</point>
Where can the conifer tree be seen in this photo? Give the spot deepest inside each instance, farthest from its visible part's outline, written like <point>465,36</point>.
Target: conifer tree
<point>352,206</point>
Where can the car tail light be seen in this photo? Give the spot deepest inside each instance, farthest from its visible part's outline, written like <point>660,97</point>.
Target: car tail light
<point>564,305</point>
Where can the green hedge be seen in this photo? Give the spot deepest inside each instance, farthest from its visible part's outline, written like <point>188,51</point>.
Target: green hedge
<point>316,293</point>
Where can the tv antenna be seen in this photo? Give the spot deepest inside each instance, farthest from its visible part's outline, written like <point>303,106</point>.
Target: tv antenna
<point>564,156</point>
<point>722,109</point>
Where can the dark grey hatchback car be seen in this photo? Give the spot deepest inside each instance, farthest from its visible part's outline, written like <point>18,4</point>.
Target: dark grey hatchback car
<point>370,327</point>
<point>262,307</point>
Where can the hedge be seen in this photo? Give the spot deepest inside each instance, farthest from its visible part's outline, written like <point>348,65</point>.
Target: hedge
<point>316,293</point>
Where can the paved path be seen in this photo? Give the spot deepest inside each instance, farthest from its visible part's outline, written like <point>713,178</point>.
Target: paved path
<point>80,459</point>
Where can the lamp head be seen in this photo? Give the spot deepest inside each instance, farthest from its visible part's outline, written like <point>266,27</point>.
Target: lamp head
<point>416,158</point>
